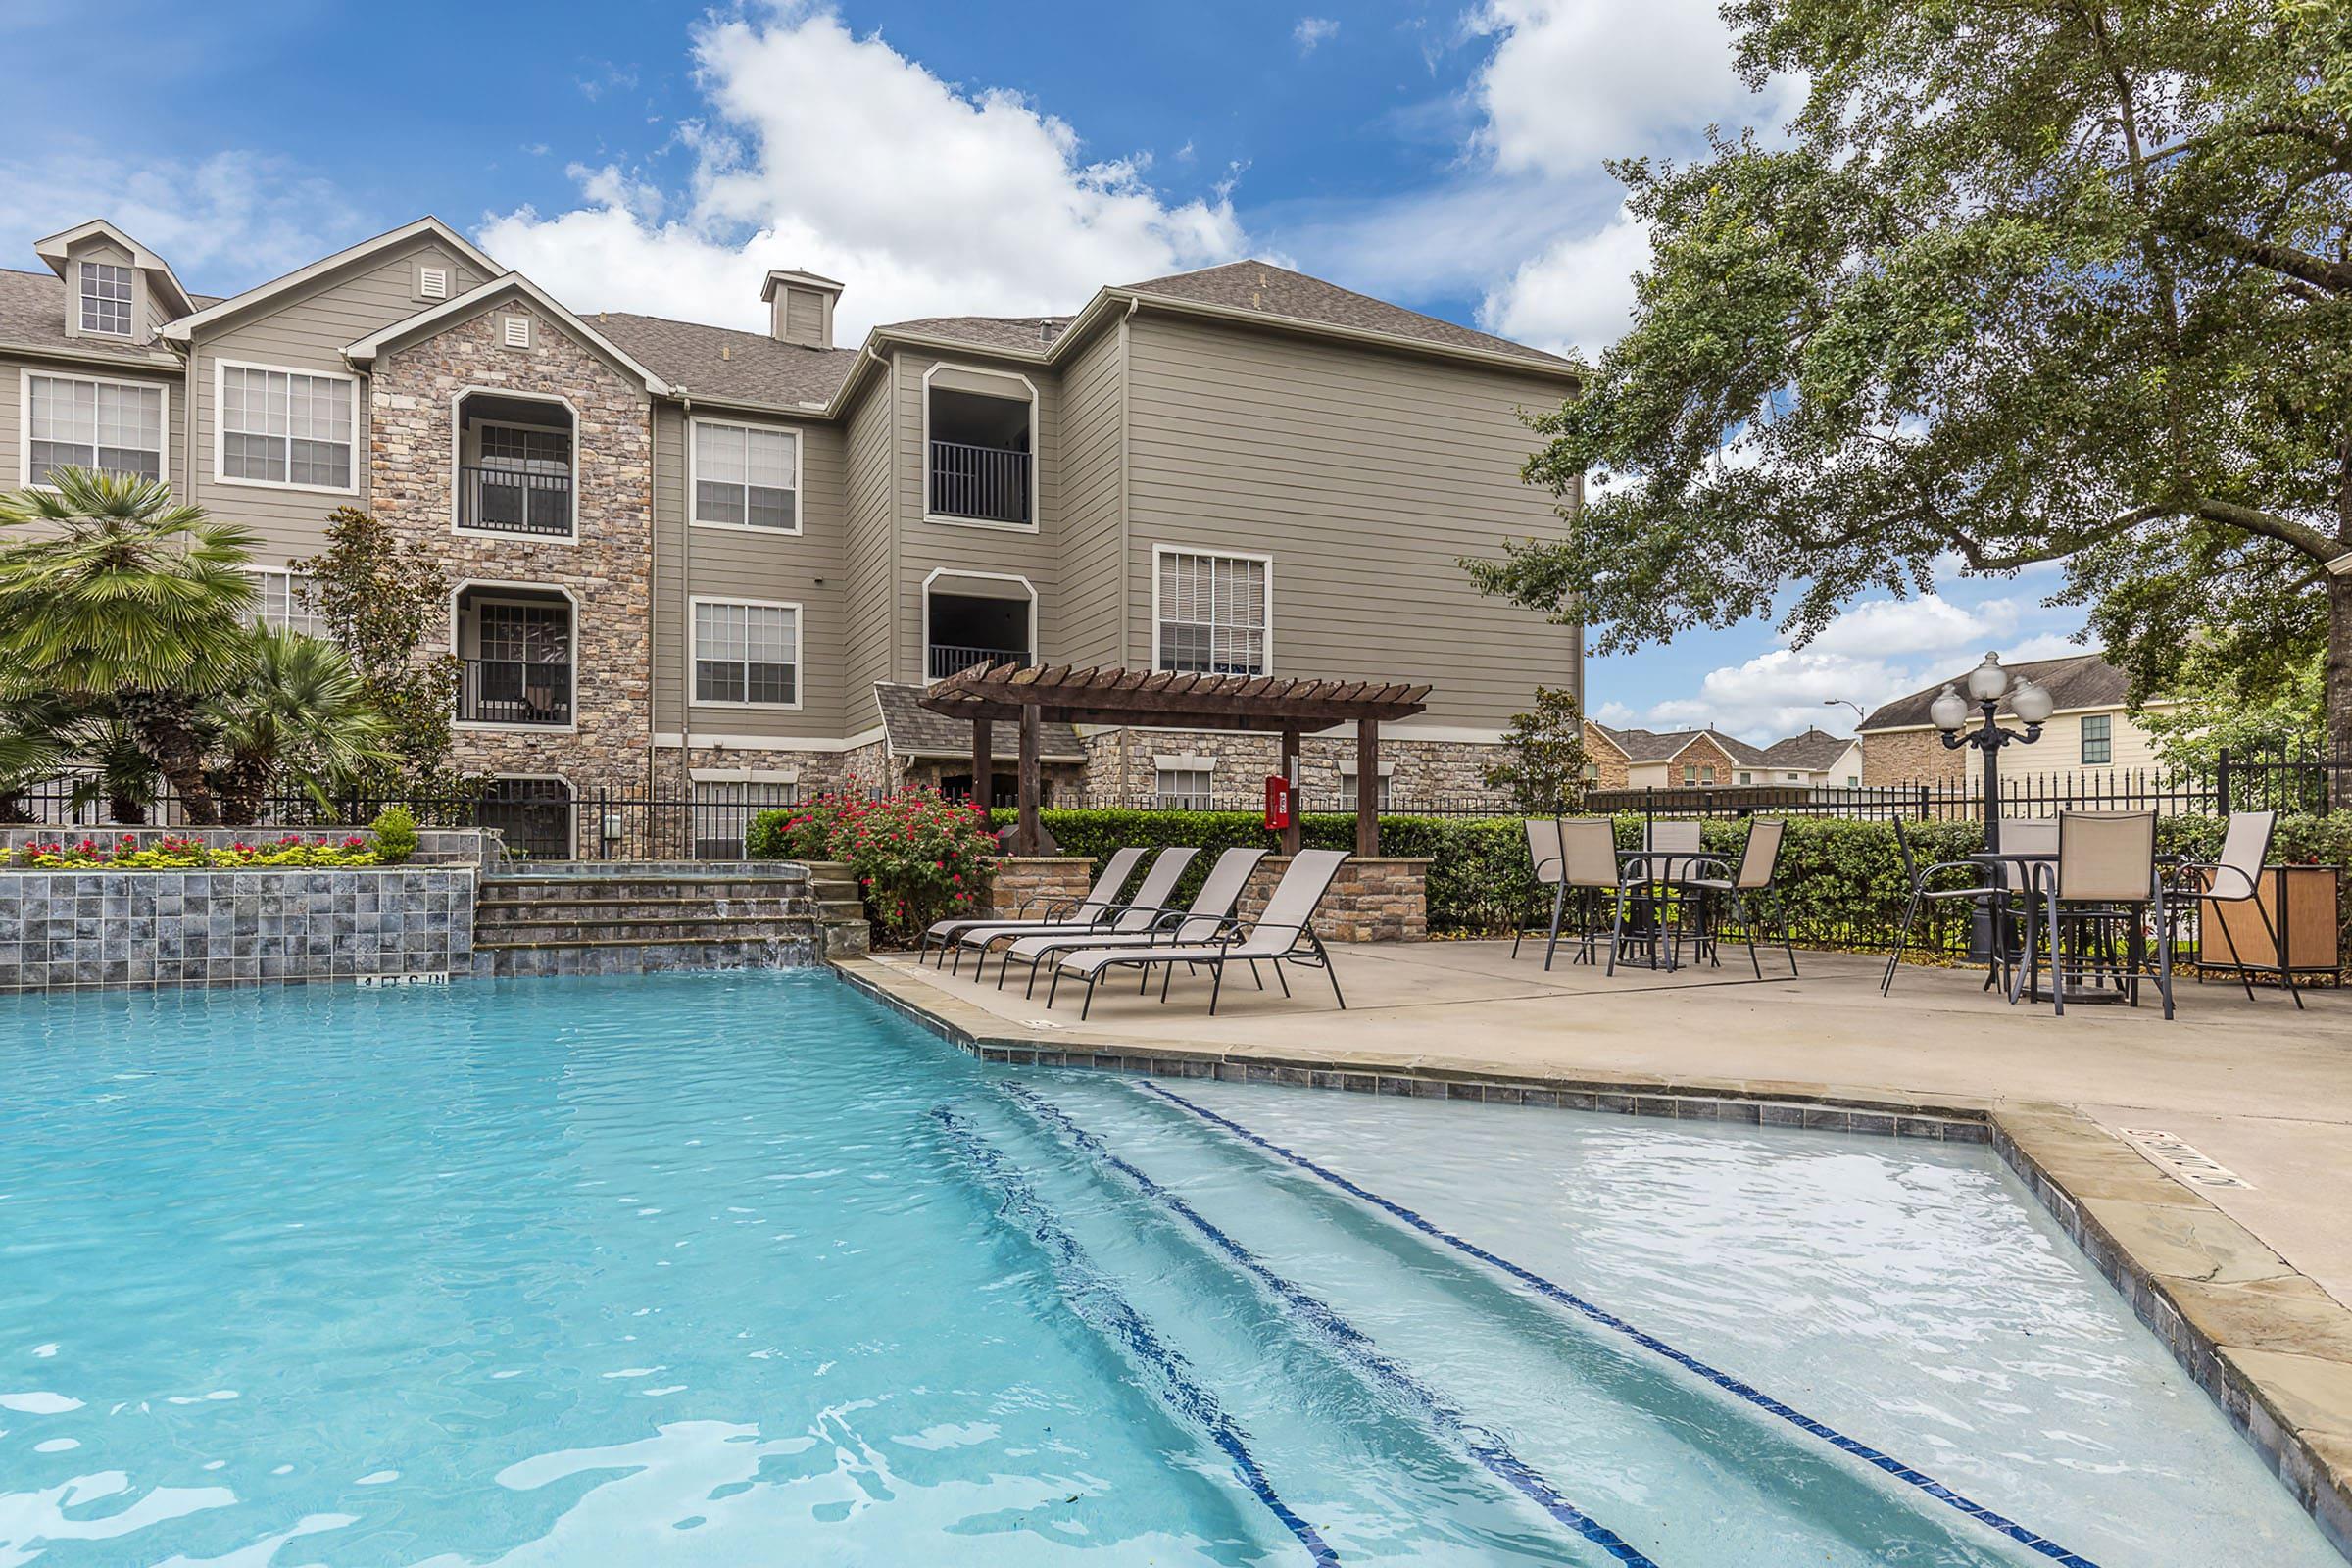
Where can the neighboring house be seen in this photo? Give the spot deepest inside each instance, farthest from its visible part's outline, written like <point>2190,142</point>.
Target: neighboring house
<point>2089,731</point>
<point>696,561</point>
<point>1710,759</point>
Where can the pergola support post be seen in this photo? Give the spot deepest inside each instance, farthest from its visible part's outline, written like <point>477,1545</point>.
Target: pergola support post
<point>1032,784</point>
<point>1367,788</point>
<point>1289,770</point>
<point>983,765</point>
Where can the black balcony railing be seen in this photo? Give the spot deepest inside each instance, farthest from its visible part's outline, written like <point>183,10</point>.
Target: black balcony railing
<point>945,660</point>
<point>988,483</point>
<point>515,691</point>
<point>514,501</point>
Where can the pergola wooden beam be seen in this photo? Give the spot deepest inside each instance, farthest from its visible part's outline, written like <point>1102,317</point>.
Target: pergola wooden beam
<point>1071,693</point>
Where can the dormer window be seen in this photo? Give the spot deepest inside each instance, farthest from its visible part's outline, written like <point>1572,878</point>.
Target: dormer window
<point>106,299</point>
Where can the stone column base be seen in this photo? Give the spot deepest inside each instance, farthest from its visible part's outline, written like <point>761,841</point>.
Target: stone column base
<point>1037,879</point>
<point>1381,900</point>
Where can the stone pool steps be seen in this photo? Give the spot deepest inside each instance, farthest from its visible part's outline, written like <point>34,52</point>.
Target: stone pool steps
<point>596,919</point>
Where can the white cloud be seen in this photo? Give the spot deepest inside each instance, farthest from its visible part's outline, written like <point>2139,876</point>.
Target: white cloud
<point>1874,652</point>
<point>1575,297</point>
<point>224,221</point>
<point>1313,31</point>
<point>837,153</point>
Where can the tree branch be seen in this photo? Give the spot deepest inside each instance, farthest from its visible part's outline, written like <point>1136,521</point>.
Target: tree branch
<point>2268,524</point>
<point>2317,270</point>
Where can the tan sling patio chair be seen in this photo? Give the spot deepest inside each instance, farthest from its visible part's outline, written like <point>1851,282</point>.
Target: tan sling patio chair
<point>1198,921</point>
<point>1087,912</point>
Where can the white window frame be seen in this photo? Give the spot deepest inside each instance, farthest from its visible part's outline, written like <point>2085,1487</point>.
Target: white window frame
<point>528,595</point>
<point>456,463</point>
<point>1036,459</point>
<point>287,574</point>
<point>1201,799</point>
<point>1381,792</point>
<point>82,300</point>
<point>800,491</point>
<point>694,650</point>
<point>25,380</point>
<point>221,431</point>
<point>1214,553</point>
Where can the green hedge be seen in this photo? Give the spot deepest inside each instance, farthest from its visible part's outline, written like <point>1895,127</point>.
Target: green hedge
<point>1843,880</point>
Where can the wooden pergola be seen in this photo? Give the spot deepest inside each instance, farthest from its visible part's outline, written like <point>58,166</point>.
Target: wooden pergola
<point>1030,698</point>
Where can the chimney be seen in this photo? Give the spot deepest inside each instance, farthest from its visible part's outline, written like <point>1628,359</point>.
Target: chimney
<point>800,307</point>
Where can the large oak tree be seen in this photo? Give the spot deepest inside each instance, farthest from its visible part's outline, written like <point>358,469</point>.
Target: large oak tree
<point>2035,281</point>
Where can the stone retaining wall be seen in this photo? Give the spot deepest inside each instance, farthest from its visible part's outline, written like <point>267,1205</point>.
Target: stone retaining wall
<point>97,930</point>
<point>1037,879</point>
<point>1383,899</point>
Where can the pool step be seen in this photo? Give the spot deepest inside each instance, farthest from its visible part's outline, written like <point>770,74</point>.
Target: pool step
<point>591,918</point>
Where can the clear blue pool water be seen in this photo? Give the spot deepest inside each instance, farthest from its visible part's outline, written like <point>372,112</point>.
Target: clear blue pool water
<point>742,1269</point>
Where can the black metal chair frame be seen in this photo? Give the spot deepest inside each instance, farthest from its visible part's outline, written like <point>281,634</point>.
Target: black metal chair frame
<point>1231,932</point>
<point>1742,903</point>
<point>1588,932</point>
<point>1920,894</point>
<point>2185,875</point>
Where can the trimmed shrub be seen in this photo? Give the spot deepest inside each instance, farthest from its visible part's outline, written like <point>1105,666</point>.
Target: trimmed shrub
<point>395,830</point>
<point>917,856</point>
<point>174,853</point>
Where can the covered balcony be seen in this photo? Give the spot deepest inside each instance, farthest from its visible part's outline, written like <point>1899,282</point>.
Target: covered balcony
<point>970,619</point>
<point>514,656</point>
<point>514,466</point>
<point>980,454</point>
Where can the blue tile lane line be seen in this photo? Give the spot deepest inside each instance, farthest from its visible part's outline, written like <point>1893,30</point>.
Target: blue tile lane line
<point>1484,1446</point>
<point>1100,1304</point>
<point>2040,1544</point>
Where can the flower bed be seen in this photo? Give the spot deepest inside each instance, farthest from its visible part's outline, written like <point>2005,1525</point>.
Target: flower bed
<point>130,851</point>
<point>917,856</point>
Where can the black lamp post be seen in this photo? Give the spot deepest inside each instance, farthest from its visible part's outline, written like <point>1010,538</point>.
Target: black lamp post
<point>1988,684</point>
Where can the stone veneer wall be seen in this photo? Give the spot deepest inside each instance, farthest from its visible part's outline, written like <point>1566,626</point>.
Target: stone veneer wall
<point>1123,762</point>
<point>412,468</point>
<point>1910,756</point>
<point>1379,899</point>
<point>1037,879</point>
<point>145,930</point>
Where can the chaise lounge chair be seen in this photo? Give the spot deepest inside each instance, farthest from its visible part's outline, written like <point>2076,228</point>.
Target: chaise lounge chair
<point>1060,911</point>
<point>1210,908</point>
<point>1153,898</point>
<point>1284,934</point>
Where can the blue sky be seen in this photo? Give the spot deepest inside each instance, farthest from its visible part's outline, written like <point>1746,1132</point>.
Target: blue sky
<point>964,159</point>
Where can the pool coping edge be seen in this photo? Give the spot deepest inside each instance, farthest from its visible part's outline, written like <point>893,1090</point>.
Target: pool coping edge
<point>2266,1342</point>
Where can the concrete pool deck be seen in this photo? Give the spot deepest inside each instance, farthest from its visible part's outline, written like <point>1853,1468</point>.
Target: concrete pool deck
<point>2245,1272</point>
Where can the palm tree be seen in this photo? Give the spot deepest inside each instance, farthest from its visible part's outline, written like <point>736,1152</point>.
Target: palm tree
<point>300,712</point>
<point>129,597</point>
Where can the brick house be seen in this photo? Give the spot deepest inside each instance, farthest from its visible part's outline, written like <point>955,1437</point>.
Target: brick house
<point>694,561</point>
<point>2090,731</point>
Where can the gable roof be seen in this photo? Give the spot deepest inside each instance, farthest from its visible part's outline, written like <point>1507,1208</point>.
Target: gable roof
<point>184,329</point>
<point>54,248</point>
<point>366,349</point>
<point>726,366</point>
<point>2078,680</point>
<point>1277,294</point>
<point>917,731</point>
<point>1029,334</point>
<point>32,318</point>
<point>1664,745</point>
<point>1813,751</point>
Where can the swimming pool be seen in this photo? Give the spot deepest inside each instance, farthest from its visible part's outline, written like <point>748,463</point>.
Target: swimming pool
<point>725,1269</point>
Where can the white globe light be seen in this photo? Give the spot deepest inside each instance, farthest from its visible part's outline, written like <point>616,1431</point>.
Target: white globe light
<point>1989,680</point>
<point>1949,710</point>
<point>2032,703</point>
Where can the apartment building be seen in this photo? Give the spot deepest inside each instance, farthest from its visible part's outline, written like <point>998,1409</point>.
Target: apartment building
<point>687,560</point>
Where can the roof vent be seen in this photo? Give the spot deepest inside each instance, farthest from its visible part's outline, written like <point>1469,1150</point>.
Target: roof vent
<point>800,307</point>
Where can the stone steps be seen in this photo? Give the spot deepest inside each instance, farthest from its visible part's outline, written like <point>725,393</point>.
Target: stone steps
<point>597,918</point>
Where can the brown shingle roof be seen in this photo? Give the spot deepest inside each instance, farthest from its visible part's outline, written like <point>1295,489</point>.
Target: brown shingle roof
<point>717,361</point>
<point>1813,751</point>
<point>918,733</point>
<point>32,315</point>
<point>1660,746</point>
<point>1030,334</point>
<point>2078,680</point>
<point>1277,292</point>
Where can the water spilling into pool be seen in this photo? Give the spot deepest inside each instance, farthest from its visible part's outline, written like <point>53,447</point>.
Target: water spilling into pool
<point>724,1269</point>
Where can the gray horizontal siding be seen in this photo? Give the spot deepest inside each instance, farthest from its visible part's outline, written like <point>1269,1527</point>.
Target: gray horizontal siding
<point>873,550</point>
<point>728,563</point>
<point>1366,476</point>
<point>1084,627</point>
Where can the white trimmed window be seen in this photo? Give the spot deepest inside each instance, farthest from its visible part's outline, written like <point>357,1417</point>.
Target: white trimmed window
<point>1380,791</point>
<point>1212,612</point>
<point>106,299</point>
<point>2099,740</point>
<point>114,427</point>
<point>746,477</point>
<point>747,654</point>
<point>277,600</point>
<point>285,427</point>
<point>1183,789</point>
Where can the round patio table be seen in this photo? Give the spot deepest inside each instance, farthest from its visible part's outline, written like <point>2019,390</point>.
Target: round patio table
<point>2022,896</point>
<point>1653,930</point>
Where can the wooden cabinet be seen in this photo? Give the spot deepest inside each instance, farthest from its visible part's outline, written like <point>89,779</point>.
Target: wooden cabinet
<point>2306,894</point>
